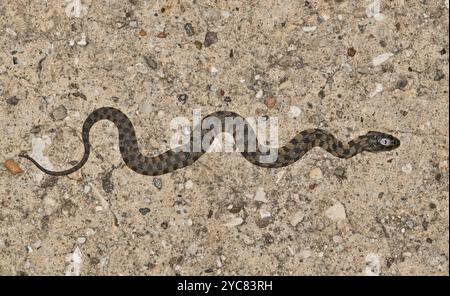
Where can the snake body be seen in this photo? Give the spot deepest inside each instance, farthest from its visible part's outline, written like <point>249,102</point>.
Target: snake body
<point>175,159</point>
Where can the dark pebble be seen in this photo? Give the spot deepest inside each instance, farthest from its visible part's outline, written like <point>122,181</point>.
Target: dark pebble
<point>438,177</point>
<point>36,129</point>
<point>227,99</point>
<point>182,98</point>
<point>13,101</point>
<point>402,83</point>
<point>340,173</point>
<point>432,206</point>
<point>15,61</point>
<point>268,238</point>
<point>189,29</point>
<point>164,225</point>
<point>261,223</point>
<point>107,184</point>
<point>429,240</point>
<point>198,44</point>
<point>439,75</point>
<point>322,93</point>
<point>210,39</point>
<point>151,63</point>
<point>144,211</point>
<point>49,182</point>
<point>351,52</point>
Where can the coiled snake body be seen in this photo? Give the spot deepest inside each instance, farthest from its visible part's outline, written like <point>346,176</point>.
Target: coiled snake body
<point>172,160</point>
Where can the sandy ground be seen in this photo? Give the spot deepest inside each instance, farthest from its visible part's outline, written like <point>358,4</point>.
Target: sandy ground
<point>345,66</point>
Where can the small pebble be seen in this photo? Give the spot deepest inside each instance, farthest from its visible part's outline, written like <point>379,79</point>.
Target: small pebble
<point>77,176</point>
<point>336,212</point>
<point>189,29</point>
<point>234,222</point>
<point>297,218</point>
<point>260,195</point>
<point>439,75</point>
<point>157,183</point>
<point>351,51</point>
<point>182,98</point>
<point>378,60</point>
<point>210,39</point>
<point>151,62</point>
<point>90,232</point>
<point>161,34</point>
<point>378,89</point>
<point>264,214</point>
<point>189,184</point>
<point>401,84</point>
<point>59,113</point>
<point>259,94</point>
<point>270,102</point>
<point>12,167</point>
<point>133,24</point>
<point>315,173</point>
<point>305,254</point>
<point>337,239</point>
<point>144,211</point>
<point>295,111</point>
<point>407,168</point>
<point>309,29</point>
<point>198,44</point>
<point>340,173</point>
<point>13,101</point>
<point>142,33</point>
<point>213,70</point>
<point>81,240</point>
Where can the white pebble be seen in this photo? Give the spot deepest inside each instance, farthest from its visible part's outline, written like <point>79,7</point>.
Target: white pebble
<point>90,232</point>
<point>264,213</point>
<point>378,60</point>
<point>297,218</point>
<point>225,14</point>
<point>295,111</point>
<point>189,184</point>
<point>374,10</point>
<point>81,240</point>
<point>407,168</point>
<point>213,70</point>
<point>87,189</point>
<point>259,94</point>
<point>373,265</point>
<point>260,195</point>
<point>234,222</point>
<point>337,239</point>
<point>305,254</point>
<point>309,29</point>
<point>336,212</point>
<point>74,8</point>
<point>378,89</point>
<point>82,41</point>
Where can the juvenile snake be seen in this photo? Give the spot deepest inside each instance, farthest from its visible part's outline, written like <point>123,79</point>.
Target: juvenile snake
<point>172,160</point>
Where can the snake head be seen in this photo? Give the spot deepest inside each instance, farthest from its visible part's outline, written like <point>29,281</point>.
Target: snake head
<point>379,142</point>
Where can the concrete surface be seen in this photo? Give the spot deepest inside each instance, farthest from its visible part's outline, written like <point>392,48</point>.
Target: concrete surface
<point>345,66</point>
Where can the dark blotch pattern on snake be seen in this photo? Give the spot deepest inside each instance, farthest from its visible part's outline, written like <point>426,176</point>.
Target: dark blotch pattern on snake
<point>172,160</point>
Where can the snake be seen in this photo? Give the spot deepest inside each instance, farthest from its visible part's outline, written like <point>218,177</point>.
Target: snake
<point>185,155</point>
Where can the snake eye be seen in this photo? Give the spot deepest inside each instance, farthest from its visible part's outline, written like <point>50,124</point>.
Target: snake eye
<point>385,142</point>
